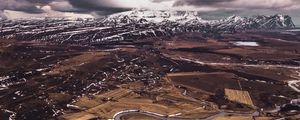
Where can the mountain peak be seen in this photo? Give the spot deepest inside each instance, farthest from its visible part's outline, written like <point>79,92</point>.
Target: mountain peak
<point>234,18</point>
<point>156,16</point>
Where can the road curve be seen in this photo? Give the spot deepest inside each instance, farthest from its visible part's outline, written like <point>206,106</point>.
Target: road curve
<point>120,114</point>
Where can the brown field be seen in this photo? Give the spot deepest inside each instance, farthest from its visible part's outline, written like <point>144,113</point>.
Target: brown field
<point>71,64</point>
<point>239,96</point>
<point>199,81</point>
<point>78,116</point>
<point>171,102</point>
<point>209,84</point>
<point>138,117</point>
<point>259,53</point>
<point>233,118</point>
<point>178,43</point>
<point>278,74</point>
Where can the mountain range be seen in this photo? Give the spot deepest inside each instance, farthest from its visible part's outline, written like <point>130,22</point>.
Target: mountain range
<point>131,25</point>
<point>141,16</point>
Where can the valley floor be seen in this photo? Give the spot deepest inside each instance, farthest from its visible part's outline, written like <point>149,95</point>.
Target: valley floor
<point>187,76</point>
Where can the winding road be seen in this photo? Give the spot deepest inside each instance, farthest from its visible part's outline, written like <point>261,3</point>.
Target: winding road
<point>119,115</point>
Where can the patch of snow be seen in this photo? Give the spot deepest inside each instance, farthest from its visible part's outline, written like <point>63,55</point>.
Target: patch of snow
<point>174,115</point>
<point>4,78</point>
<point>41,69</point>
<point>81,64</point>
<point>73,106</point>
<point>294,85</point>
<point>12,114</point>
<point>3,87</point>
<point>294,30</point>
<point>280,96</point>
<point>261,81</point>
<point>295,101</point>
<point>48,56</point>
<point>19,93</point>
<point>288,33</point>
<point>241,43</point>
<point>29,72</point>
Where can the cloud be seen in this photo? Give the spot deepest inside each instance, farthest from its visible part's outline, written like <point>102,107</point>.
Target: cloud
<point>101,6</point>
<point>239,4</point>
<point>200,2</point>
<point>64,6</point>
<point>19,5</point>
<point>48,12</point>
<point>112,6</point>
<point>264,4</point>
<point>2,16</point>
<point>39,1</point>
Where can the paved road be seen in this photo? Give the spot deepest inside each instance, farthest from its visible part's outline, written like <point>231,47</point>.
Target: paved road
<point>119,115</point>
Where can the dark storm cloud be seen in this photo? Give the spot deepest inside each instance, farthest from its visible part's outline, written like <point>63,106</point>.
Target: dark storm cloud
<point>112,6</point>
<point>40,1</point>
<point>65,6</point>
<point>99,6</point>
<point>28,6</point>
<point>103,7</point>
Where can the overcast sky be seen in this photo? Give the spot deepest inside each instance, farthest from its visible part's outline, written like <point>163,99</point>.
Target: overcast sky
<point>210,9</point>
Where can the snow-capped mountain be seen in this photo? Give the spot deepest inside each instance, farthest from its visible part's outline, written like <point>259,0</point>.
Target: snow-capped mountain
<point>131,25</point>
<point>276,21</point>
<point>141,16</point>
<point>258,22</point>
<point>151,16</point>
